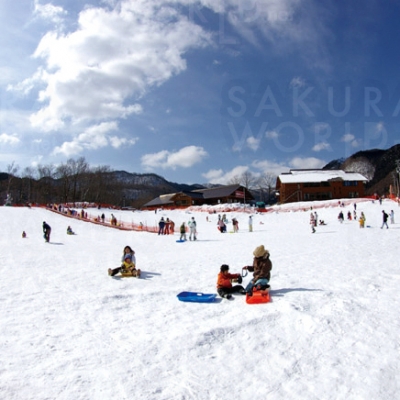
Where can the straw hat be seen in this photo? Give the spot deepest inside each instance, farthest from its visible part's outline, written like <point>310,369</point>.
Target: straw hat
<point>260,251</point>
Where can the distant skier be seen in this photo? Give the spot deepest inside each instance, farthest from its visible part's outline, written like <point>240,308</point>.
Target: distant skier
<point>46,231</point>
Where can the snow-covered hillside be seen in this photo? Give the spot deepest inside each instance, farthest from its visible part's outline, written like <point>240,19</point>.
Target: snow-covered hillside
<point>69,331</point>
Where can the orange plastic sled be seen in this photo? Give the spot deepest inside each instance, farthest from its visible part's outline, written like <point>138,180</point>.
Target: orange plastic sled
<point>259,296</point>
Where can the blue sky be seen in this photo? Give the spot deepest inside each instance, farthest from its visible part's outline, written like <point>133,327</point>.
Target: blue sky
<point>197,91</point>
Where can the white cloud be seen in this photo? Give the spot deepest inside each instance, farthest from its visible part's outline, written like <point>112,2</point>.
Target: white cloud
<point>100,70</point>
<point>253,143</point>
<point>117,142</point>
<point>49,12</point>
<point>271,135</point>
<point>93,138</point>
<point>297,82</point>
<point>270,167</point>
<point>380,127</point>
<point>351,139</point>
<point>321,146</point>
<point>306,163</point>
<point>9,139</point>
<point>356,143</point>
<point>348,137</point>
<point>221,177</point>
<point>184,158</point>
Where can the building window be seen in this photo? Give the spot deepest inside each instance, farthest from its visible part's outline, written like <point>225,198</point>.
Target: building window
<point>316,184</point>
<point>350,183</point>
<point>353,195</point>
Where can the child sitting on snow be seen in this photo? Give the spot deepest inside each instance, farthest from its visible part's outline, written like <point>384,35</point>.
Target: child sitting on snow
<point>224,283</point>
<point>70,231</point>
<point>128,264</point>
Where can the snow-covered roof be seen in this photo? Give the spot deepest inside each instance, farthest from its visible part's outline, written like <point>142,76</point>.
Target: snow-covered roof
<point>304,176</point>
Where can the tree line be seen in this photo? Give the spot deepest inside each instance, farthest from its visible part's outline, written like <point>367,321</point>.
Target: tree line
<point>72,181</point>
<point>76,181</point>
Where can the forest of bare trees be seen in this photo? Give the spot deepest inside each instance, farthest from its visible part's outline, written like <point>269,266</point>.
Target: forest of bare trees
<point>72,181</point>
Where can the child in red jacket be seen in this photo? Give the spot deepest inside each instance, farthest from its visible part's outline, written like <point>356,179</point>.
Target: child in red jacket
<point>224,283</point>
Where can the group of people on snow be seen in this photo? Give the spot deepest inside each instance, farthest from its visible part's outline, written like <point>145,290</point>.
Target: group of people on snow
<point>166,227</point>
<point>192,225</point>
<point>261,269</point>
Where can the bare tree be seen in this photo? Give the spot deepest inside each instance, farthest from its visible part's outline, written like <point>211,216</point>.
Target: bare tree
<point>64,174</point>
<point>12,170</point>
<point>79,168</point>
<point>235,180</point>
<point>28,175</point>
<point>248,180</point>
<point>46,189</point>
<point>266,183</point>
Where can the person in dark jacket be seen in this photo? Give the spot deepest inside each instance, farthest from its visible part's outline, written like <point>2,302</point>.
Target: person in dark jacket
<point>261,269</point>
<point>161,226</point>
<point>384,219</point>
<point>46,231</point>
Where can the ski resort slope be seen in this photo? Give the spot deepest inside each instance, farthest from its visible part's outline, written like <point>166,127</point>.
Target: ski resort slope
<point>69,331</point>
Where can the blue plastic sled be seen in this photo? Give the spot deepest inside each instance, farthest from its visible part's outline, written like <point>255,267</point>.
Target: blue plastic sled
<point>196,297</point>
<point>180,241</point>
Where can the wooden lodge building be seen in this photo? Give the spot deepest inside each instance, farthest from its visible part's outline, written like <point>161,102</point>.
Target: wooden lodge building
<point>218,195</point>
<point>311,184</point>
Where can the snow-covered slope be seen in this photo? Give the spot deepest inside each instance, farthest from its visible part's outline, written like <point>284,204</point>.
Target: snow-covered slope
<point>69,331</point>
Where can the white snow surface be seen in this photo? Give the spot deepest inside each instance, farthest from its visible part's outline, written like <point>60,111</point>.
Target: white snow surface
<point>70,331</point>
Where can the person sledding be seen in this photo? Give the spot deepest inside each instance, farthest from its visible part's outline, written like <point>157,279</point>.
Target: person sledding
<point>128,266</point>
<point>261,269</point>
<point>70,231</point>
<point>224,283</point>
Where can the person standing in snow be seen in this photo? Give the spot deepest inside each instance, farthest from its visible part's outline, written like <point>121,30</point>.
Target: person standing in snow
<point>261,269</point>
<point>221,225</point>
<point>235,224</point>
<point>192,225</point>
<point>250,223</point>
<point>362,220</point>
<point>384,220</point>
<point>341,217</point>
<point>46,231</point>
<point>391,216</point>
<point>224,283</point>
<point>161,226</point>
<point>182,231</point>
<point>312,222</point>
